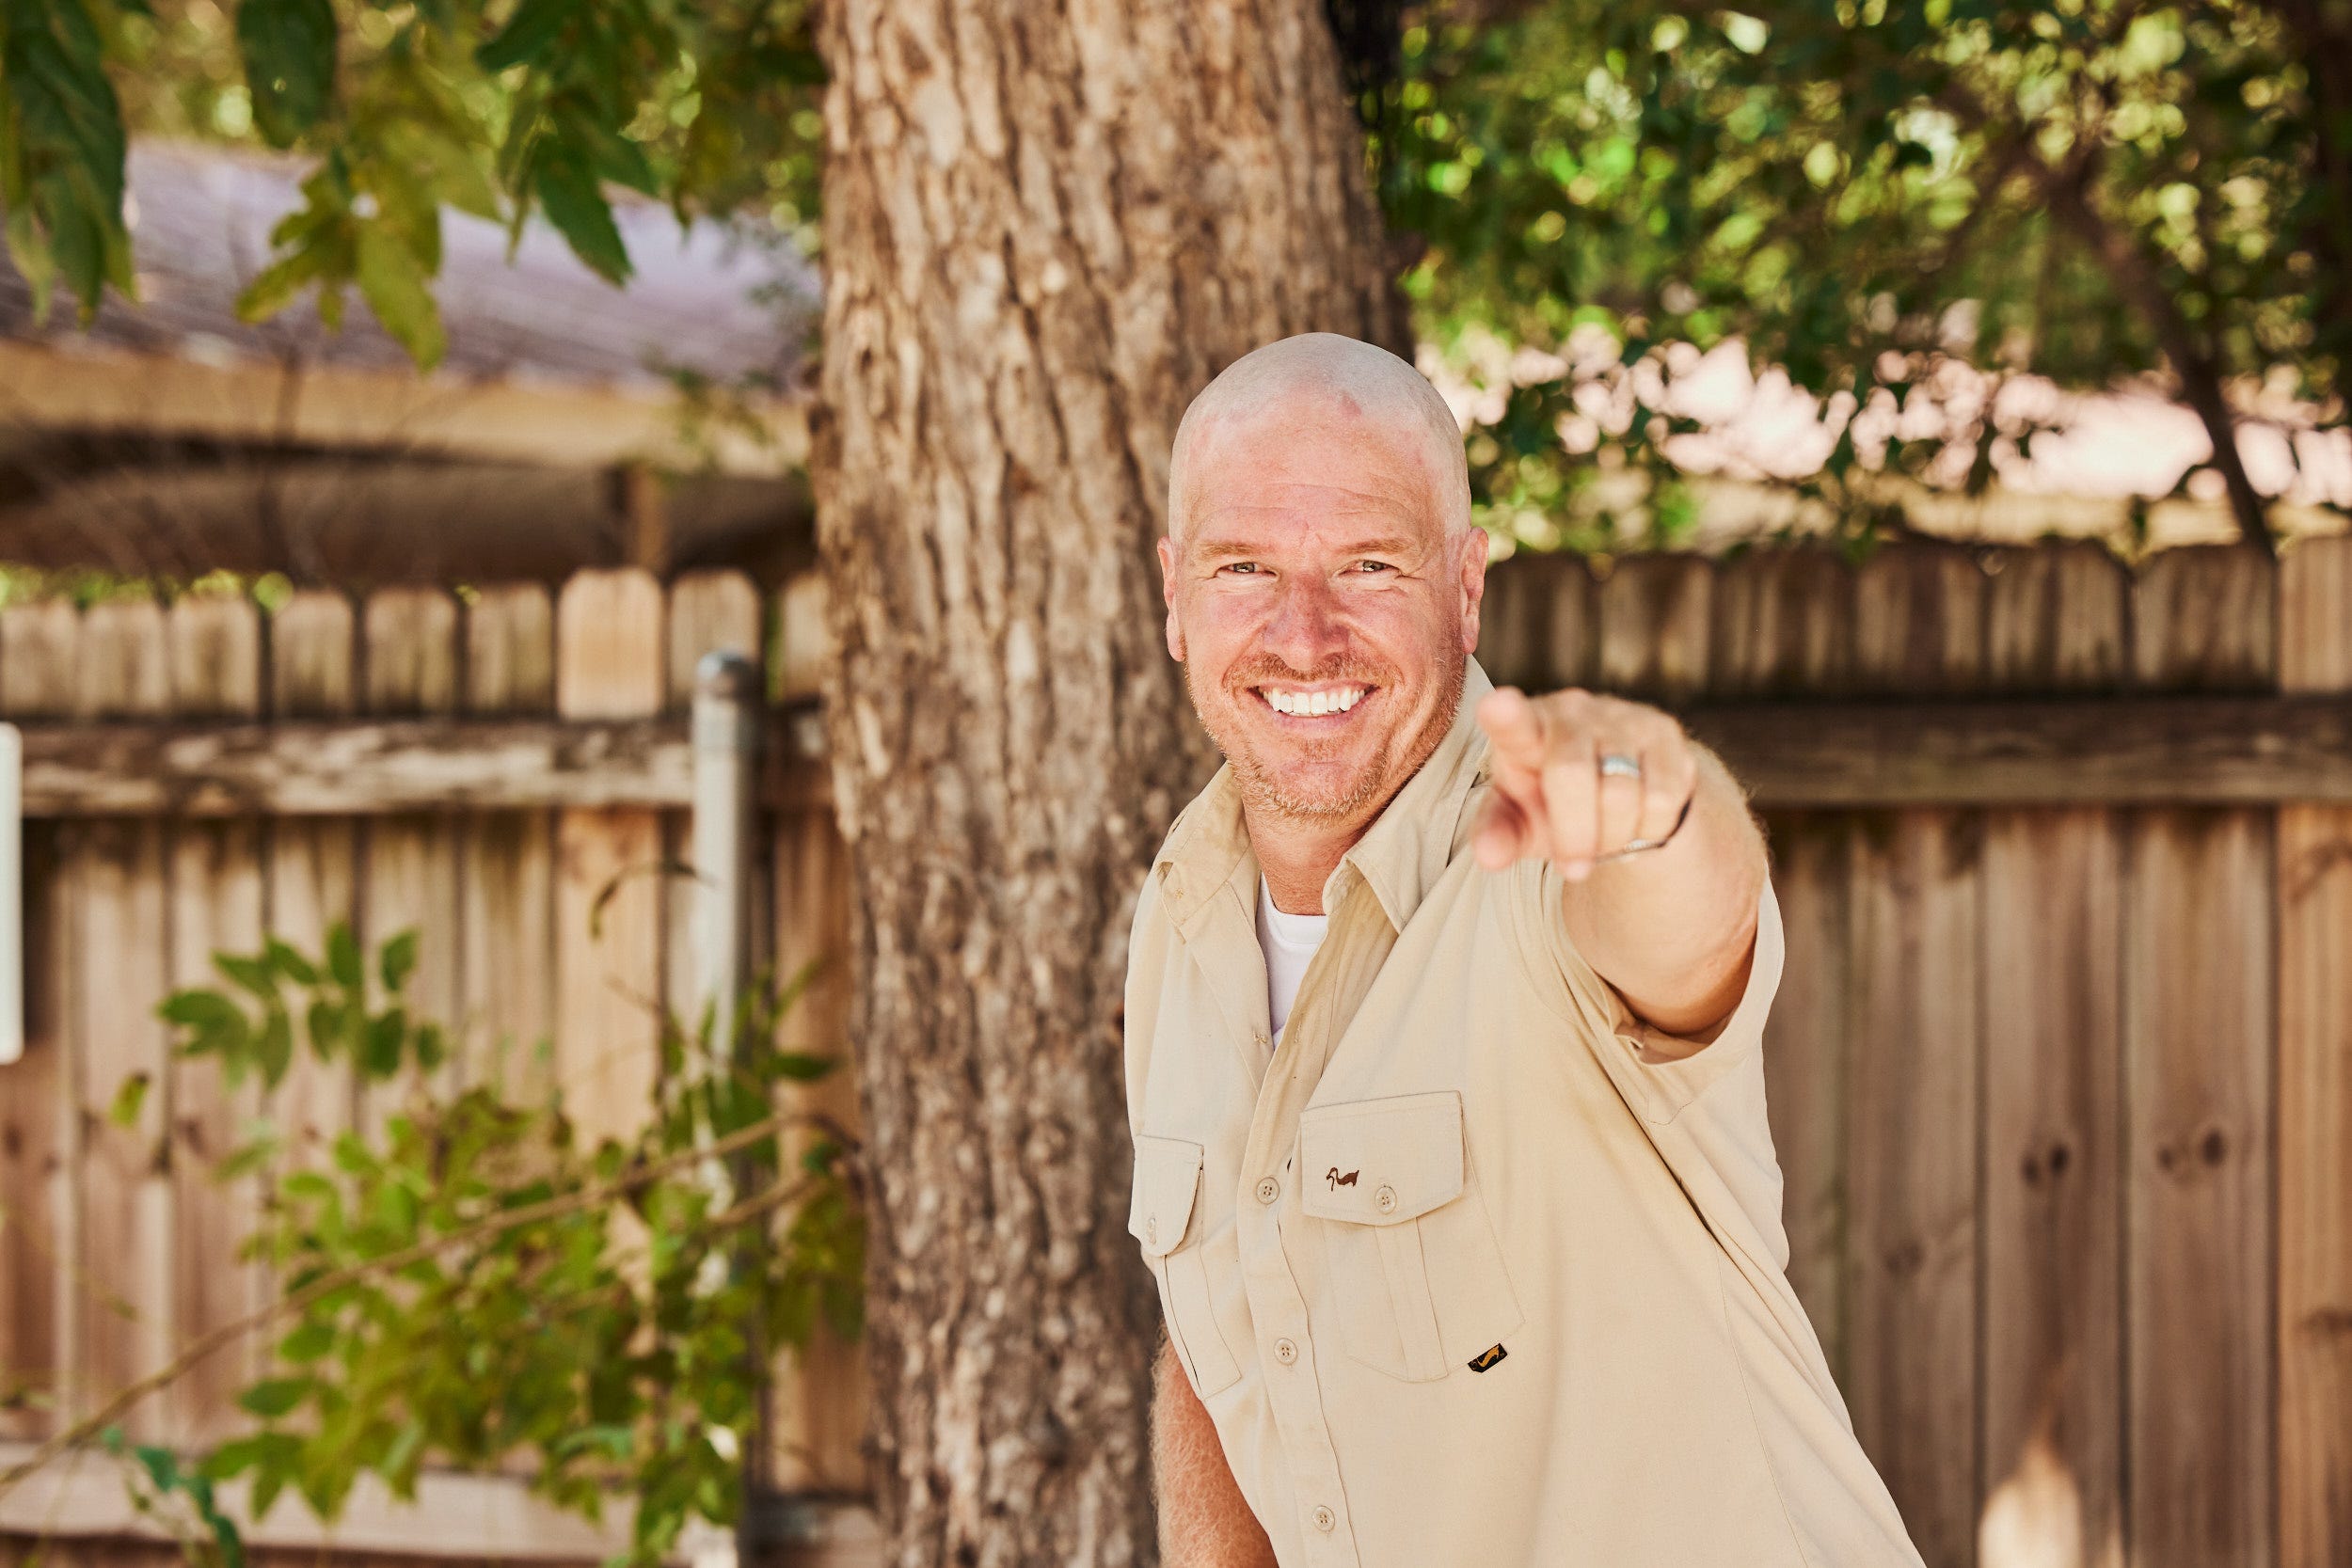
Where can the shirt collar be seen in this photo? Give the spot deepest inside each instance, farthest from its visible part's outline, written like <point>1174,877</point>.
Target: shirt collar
<point>1399,857</point>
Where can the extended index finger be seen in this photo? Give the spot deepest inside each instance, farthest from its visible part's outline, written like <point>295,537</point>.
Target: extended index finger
<point>1514,732</point>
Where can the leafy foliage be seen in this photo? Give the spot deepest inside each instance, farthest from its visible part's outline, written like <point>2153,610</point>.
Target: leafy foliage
<point>472,1283</point>
<point>495,109</point>
<point>1863,193</point>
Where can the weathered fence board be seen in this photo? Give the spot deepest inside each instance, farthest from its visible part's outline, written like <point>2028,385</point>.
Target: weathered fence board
<point>313,874</point>
<point>409,880</point>
<point>609,641</point>
<point>2051,1459</point>
<point>2198,1036</point>
<point>2315,1094</point>
<point>507,859</point>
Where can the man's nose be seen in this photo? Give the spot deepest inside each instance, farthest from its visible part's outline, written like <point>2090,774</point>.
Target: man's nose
<point>1306,627</point>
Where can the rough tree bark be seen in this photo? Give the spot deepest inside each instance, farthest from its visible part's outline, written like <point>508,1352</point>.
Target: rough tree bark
<point>1047,224</point>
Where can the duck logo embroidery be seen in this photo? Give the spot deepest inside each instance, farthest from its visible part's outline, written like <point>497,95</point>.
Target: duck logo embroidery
<point>1337,1180</point>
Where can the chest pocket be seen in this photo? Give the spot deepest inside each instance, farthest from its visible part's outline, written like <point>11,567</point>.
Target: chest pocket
<point>1164,1217</point>
<point>1417,1278</point>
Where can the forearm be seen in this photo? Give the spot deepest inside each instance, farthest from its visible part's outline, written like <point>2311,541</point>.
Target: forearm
<point>1204,1522</point>
<point>1673,929</point>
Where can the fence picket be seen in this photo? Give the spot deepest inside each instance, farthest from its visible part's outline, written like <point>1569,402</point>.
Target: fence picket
<point>215,904</point>
<point>507,875</point>
<point>819,1407</point>
<point>1918,903</point>
<point>609,664</point>
<point>2052,1380</point>
<point>313,861</point>
<point>2198,1037</point>
<point>2313,877</point>
<point>1654,622</point>
<point>410,877</point>
<point>120,1288</point>
<point>1784,624</point>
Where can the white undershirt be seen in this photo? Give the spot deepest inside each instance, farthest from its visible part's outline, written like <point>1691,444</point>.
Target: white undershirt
<point>1290,942</point>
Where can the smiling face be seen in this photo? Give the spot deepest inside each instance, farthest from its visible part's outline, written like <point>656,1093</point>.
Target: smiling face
<point>1321,596</point>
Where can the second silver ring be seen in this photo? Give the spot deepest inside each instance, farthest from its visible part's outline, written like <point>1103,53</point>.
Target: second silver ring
<point>1616,765</point>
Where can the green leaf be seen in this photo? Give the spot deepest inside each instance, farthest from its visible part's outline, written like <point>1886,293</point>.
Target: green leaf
<point>528,34</point>
<point>398,959</point>
<point>265,1448</point>
<point>325,1024</point>
<point>277,286</point>
<point>204,1011</point>
<point>275,1052</point>
<point>289,51</point>
<point>292,965</point>
<point>273,1396</point>
<point>393,284</point>
<point>802,1066</point>
<point>161,1465</point>
<point>129,1099</point>
<point>307,1343</point>
<point>380,1056</point>
<point>432,1046</point>
<point>568,194</point>
<point>342,956</point>
<point>253,975</point>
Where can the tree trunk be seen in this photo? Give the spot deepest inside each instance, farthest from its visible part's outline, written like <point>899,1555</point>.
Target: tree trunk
<point>1047,224</point>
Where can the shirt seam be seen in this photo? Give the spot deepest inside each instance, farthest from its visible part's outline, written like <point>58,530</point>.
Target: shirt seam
<point>1747,1399</point>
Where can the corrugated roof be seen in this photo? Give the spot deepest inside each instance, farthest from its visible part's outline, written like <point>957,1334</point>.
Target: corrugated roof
<point>705,299</point>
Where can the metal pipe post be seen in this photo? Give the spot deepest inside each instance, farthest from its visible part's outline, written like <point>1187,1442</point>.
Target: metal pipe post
<point>726,766</point>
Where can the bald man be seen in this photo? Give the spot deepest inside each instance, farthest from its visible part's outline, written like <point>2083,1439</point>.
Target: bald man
<point>1445,1007</point>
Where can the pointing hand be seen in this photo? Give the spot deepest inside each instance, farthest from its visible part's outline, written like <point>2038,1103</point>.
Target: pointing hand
<point>1581,779</point>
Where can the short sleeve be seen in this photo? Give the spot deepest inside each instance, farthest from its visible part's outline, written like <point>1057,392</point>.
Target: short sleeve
<point>1662,1073</point>
<point>1147,961</point>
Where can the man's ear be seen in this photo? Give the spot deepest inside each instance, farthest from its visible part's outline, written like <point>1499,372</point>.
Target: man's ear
<point>1473,548</point>
<point>1167,597</point>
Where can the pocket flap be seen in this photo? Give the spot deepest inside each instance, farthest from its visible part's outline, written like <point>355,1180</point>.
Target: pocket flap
<point>1167,1177</point>
<point>1381,1162</point>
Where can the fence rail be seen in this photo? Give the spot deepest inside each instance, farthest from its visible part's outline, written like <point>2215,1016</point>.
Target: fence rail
<point>2061,1074</point>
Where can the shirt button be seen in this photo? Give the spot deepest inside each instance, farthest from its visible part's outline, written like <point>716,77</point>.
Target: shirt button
<point>1152,1231</point>
<point>1325,1519</point>
<point>1269,1190</point>
<point>1385,1200</point>
<point>1285,1351</point>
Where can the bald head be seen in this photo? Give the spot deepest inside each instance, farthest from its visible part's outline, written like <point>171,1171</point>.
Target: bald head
<point>1320,381</point>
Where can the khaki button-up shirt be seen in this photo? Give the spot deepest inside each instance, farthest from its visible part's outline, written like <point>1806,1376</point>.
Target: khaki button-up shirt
<point>1476,1268</point>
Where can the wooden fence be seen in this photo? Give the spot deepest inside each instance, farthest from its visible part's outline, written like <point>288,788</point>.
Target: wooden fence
<point>2060,1074</point>
<point>486,769</point>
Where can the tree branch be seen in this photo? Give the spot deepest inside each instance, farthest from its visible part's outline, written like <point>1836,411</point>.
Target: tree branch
<point>2200,378</point>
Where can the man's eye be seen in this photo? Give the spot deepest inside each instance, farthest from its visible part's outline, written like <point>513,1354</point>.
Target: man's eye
<point>1250,566</point>
<point>1375,566</point>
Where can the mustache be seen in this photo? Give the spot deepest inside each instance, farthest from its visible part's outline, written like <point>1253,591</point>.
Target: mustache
<point>1339,667</point>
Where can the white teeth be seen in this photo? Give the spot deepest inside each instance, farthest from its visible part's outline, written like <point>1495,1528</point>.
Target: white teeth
<point>1312,703</point>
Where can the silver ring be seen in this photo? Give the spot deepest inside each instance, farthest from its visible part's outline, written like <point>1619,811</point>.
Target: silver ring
<point>1616,765</point>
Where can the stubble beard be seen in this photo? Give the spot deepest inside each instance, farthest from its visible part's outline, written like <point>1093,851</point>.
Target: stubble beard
<point>1261,787</point>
